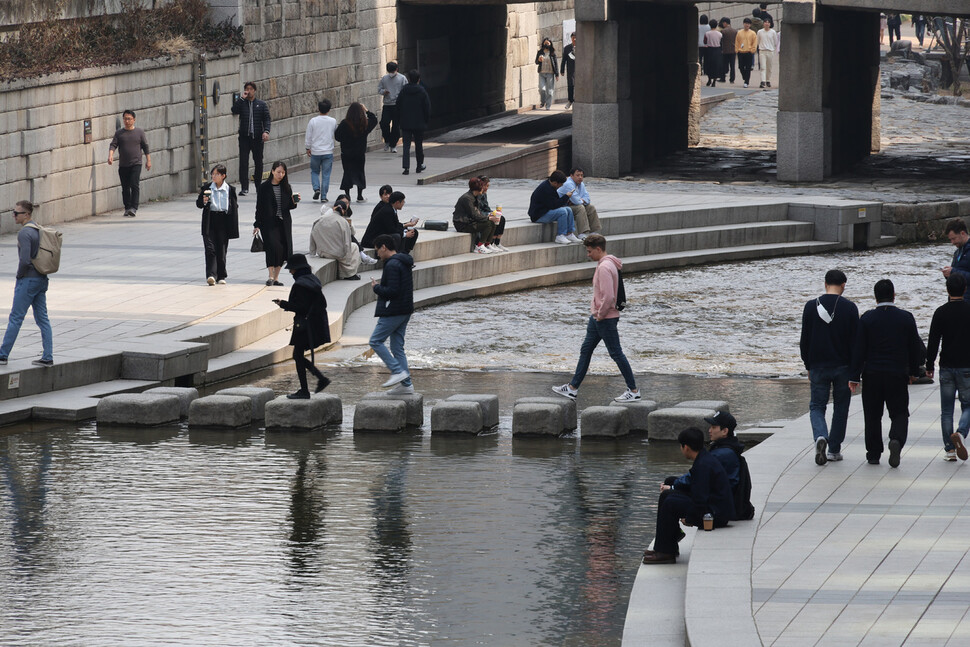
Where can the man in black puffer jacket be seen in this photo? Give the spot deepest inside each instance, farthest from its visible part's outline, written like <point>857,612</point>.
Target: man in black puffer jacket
<point>395,303</point>
<point>414,111</point>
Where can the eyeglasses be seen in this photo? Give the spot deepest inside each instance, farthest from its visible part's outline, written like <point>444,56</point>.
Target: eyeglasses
<point>19,213</point>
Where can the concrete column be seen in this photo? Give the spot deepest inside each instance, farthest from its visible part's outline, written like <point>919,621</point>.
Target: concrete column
<point>598,127</point>
<point>693,75</point>
<point>802,133</point>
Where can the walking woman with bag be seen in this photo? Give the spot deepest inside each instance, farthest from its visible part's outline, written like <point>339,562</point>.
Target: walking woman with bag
<point>311,327</point>
<point>274,200</point>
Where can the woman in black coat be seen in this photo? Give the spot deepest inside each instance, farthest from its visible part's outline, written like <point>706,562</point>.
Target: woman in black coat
<point>220,223</point>
<point>311,327</point>
<point>274,200</point>
<point>352,134</point>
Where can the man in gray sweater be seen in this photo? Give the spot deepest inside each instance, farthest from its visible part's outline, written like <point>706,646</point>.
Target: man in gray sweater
<point>130,142</point>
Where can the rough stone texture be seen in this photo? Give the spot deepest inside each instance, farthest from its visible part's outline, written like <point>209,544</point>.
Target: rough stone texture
<point>610,422</point>
<point>536,419</point>
<point>138,409</point>
<point>186,394</point>
<point>259,397</point>
<point>488,403</point>
<point>303,415</point>
<point>665,424</point>
<point>714,405</point>
<point>801,146</point>
<point>380,415</point>
<point>637,413</point>
<point>414,402</point>
<point>456,416</point>
<point>567,406</point>
<point>221,411</point>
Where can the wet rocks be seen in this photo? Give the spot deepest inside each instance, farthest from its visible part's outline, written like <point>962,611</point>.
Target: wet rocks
<point>221,411</point>
<point>457,416</point>
<point>381,414</point>
<point>258,396</point>
<point>320,410</point>
<point>138,409</point>
<point>605,422</point>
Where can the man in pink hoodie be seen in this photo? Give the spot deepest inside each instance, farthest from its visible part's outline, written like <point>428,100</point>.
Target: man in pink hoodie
<point>602,322</point>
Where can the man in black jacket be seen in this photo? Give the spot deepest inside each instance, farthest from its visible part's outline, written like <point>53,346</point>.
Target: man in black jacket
<point>395,303</point>
<point>254,125</point>
<point>384,220</point>
<point>546,205</point>
<point>956,232</point>
<point>887,356</point>
<point>950,324</point>
<point>568,68</point>
<point>414,111</point>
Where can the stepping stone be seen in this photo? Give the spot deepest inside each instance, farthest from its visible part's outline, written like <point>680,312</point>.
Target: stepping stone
<point>666,424</point>
<point>258,395</point>
<point>488,403</point>
<point>457,416</point>
<point>413,401</point>
<point>713,405</point>
<point>185,394</point>
<point>381,414</point>
<point>320,410</point>
<point>637,413</point>
<point>566,405</point>
<point>537,419</point>
<point>608,422</point>
<point>221,411</point>
<point>138,409</point>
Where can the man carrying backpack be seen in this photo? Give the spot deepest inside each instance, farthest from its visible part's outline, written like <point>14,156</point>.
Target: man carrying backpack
<point>604,316</point>
<point>31,288</point>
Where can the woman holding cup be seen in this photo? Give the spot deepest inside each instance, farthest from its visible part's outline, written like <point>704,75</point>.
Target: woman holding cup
<point>274,201</point>
<point>220,223</point>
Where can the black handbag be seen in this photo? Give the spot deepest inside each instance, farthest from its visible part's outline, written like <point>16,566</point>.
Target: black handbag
<point>257,246</point>
<point>436,225</point>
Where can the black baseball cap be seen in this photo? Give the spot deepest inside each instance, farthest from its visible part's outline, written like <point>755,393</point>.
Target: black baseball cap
<point>722,419</point>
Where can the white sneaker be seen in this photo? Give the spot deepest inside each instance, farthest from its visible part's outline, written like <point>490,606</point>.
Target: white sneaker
<point>566,390</point>
<point>367,260</point>
<point>482,249</point>
<point>837,456</point>
<point>582,236</point>
<point>393,150</point>
<point>573,238</point>
<point>401,389</point>
<point>950,455</point>
<point>387,148</point>
<point>562,240</point>
<point>396,378</point>
<point>628,396</point>
<point>495,248</point>
<point>221,281</point>
<point>211,280</point>
<point>502,247</point>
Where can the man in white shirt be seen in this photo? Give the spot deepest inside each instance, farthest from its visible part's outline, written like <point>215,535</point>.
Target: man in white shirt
<point>768,49</point>
<point>584,213</point>
<point>390,86</point>
<point>319,148</point>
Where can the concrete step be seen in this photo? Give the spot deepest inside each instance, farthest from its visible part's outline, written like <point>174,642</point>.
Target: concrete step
<point>70,404</point>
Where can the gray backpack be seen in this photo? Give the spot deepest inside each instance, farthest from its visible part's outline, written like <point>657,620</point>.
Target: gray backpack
<point>48,258</point>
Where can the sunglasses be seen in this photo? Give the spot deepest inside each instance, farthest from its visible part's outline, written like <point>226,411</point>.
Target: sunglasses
<point>19,213</point>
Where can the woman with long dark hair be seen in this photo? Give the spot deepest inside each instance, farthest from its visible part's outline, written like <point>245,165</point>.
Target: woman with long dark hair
<point>352,134</point>
<point>548,66</point>
<point>311,327</point>
<point>274,200</point>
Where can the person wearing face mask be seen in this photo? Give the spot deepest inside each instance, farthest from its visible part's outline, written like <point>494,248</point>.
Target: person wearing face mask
<point>332,236</point>
<point>548,66</point>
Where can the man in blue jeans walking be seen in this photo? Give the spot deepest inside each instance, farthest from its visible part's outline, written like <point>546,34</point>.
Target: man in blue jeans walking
<point>395,303</point>
<point>603,319</point>
<point>30,290</point>
<point>950,324</point>
<point>319,148</point>
<point>829,325</point>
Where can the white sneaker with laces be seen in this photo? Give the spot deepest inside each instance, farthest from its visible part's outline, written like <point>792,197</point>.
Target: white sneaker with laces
<point>562,240</point>
<point>367,260</point>
<point>566,390</point>
<point>582,236</point>
<point>573,238</point>
<point>495,248</point>
<point>628,396</point>
<point>396,378</point>
<point>502,247</point>
<point>401,389</point>
<point>837,456</point>
<point>950,455</point>
<point>482,249</point>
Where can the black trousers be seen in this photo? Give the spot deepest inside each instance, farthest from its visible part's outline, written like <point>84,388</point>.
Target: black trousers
<point>570,87</point>
<point>216,245</point>
<point>405,244</point>
<point>249,145</point>
<point>892,391</point>
<point>130,177</point>
<point>303,365</point>
<point>726,65</point>
<point>417,136</point>
<point>674,507</point>
<point>745,63</point>
<point>390,130</point>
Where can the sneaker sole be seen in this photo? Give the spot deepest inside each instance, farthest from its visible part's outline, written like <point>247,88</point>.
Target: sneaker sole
<point>565,395</point>
<point>894,451</point>
<point>820,446</point>
<point>957,439</point>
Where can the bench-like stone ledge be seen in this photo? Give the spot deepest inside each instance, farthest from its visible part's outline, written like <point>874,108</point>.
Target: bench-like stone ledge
<point>318,411</point>
<point>488,403</point>
<point>381,414</point>
<point>666,424</point>
<point>605,422</point>
<point>638,411</point>
<point>138,409</point>
<point>537,419</point>
<point>457,416</point>
<point>221,412</point>
<point>186,394</point>
<point>566,406</point>
<point>259,396</point>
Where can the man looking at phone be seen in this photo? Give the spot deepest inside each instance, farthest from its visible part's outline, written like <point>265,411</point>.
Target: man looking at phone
<point>395,303</point>
<point>956,232</point>
<point>385,220</point>
<point>254,125</point>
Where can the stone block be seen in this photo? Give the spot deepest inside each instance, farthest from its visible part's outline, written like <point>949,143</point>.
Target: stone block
<point>801,146</point>
<point>596,137</point>
<point>259,397</point>
<point>488,403</point>
<point>380,414</point>
<point>637,413</point>
<point>610,422</point>
<point>713,405</point>
<point>536,419</point>
<point>800,12</point>
<point>457,416</point>
<point>138,409</point>
<point>567,406</point>
<point>413,401</point>
<point>185,394</point>
<point>665,424</point>
<point>227,411</point>
<point>318,411</point>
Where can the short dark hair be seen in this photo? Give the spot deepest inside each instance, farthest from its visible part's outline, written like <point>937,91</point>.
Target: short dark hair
<point>324,105</point>
<point>595,240</point>
<point>703,19</point>
<point>692,437</point>
<point>558,177</point>
<point>571,34</point>
<point>956,285</point>
<point>387,188</point>
<point>756,13</point>
<point>26,205</point>
<point>397,196</point>
<point>391,66</point>
<point>413,76</point>
<point>220,169</point>
<point>957,225</point>
<point>475,184</point>
<point>344,196</point>
<point>768,22</point>
<point>386,240</point>
<point>835,277</point>
<point>725,21</point>
<point>249,84</point>
<point>128,112</point>
<point>884,290</point>
<point>484,179</point>
<point>577,168</point>
<point>746,21</point>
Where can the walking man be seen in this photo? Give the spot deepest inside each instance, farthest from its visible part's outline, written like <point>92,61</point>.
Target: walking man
<point>584,213</point>
<point>389,88</point>
<point>30,290</point>
<point>767,47</point>
<point>602,323</point>
<point>956,232</point>
<point>950,324</point>
<point>395,303</point>
<point>829,327</point>
<point>254,125</point>
<point>319,148</point>
<point>745,44</point>
<point>887,356</point>
<point>729,36</point>
<point>414,107</point>
<point>568,67</point>
<point>130,142</point>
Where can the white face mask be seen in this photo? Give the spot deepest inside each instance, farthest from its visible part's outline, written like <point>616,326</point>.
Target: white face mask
<point>823,314</point>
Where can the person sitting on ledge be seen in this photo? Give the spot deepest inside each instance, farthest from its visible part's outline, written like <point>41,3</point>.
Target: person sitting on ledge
<point>587,220</point>
<point>495,214</point>
<point>468,219</point>
<point>547,206</point>
<point>709,493</point>
<point>385,220</point>
<point>332,236</point>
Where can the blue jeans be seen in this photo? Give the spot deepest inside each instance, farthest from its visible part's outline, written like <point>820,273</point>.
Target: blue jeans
<point>836,380</point>
<point>602,330</point>
<point>547,89</point>
<point>29,292</point>
<point>393,327</point>
<point>321,165</point>
<point>563,217</point>
<point>953,381</point>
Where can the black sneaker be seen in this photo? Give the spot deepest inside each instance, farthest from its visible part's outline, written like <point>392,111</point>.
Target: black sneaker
<point>894,450</point>
<point>323,383</point>
<point>3,361</point>
<point>316,195</point>
<point>244,192</point>
<point>420,168</point>
<point>43,362</point>
<point>820,446</point>
<point>299,395</point>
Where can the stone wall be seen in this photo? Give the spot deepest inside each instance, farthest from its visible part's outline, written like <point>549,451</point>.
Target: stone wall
<point>922,222</point>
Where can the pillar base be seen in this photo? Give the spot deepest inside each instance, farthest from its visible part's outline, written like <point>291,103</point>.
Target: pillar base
<point>801,146</point>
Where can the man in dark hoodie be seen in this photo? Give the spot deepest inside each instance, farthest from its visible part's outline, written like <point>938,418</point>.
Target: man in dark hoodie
<point>395,303</point>
<point>546,205</point>
<point>311,327</point>
<point>414,111</point>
